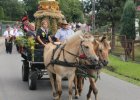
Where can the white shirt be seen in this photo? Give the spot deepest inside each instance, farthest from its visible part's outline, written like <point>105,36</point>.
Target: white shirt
<point>64,34</point>
<point>15,31</point>
<point>18,33</point>
<point>6,34</point>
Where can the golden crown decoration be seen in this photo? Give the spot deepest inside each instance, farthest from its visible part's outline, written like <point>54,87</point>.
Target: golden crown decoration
<point>48,5</point>
<point>49,9</point>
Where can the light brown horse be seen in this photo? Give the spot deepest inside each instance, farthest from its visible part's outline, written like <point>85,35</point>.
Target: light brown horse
<point>102,47</point>
<point>76,46</point>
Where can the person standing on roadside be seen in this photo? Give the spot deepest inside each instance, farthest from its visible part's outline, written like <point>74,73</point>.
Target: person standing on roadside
<point>8,35</point>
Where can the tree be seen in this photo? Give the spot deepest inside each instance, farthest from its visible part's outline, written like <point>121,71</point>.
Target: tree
<point>1,13</point>
<point>128,25</point>
<point>31,7</point>
<point>87,6</point>
<point>72,9</point>
<point>13,9</point>
<point>128,20</point>
<point>107,11</point>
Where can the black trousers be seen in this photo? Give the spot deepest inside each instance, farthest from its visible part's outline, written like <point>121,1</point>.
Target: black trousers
<point>8,46</point>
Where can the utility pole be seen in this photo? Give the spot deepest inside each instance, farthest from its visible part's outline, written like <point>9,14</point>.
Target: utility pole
<point>93,16</point>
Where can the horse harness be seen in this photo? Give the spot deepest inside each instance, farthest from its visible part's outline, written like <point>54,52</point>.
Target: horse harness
<point>77,64</point>
<point>57,61</point>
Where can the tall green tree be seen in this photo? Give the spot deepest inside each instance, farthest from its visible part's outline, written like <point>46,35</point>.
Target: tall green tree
<point>13,9</point>
<point>128,25</point>
<point>31,7</point>
<point>107,11</point>
<point>72,9</point>
<point>1,13</point>
<point>128,20</point>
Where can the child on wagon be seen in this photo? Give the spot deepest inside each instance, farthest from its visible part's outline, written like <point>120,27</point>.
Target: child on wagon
<point>43,33</point>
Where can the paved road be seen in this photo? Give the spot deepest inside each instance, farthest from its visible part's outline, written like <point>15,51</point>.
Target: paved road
<point>13,88</point>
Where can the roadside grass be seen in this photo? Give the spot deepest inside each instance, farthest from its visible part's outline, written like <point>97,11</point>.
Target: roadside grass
<point>121,77</point>
<point>129,71</point>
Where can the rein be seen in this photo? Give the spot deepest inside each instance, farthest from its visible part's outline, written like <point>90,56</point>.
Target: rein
<point>65,62</point>
<point>81,67</point>
<point>57,61</point>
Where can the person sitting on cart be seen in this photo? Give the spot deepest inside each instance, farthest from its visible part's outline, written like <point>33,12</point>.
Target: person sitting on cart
<point>64,32</point>
<point>25,23</point>
<point>31,32</point>
<point>43,33</point>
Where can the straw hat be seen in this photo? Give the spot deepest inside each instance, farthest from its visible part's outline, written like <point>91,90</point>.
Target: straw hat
<point>64,22</point>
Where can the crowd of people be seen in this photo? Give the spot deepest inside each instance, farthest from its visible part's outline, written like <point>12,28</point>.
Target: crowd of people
<point>10,34</point>
<point>42,35</point>
<point>79,26</point>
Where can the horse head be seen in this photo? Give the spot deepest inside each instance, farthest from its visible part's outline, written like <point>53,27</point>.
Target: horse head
<point>103,50</point>
<point>87,49</point>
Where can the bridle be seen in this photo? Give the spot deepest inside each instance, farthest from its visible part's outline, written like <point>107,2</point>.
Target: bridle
<point>100,55</point>
<point>81,56</point>
<point>78,58</point>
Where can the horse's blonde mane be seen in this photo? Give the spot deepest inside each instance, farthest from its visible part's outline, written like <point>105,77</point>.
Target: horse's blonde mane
<point>105,44</point>
<point>77,36</point>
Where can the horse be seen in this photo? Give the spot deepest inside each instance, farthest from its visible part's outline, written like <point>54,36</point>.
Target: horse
<point>62,60</point>
<point>101,47</point>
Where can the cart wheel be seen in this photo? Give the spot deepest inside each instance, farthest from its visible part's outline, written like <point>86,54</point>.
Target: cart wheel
<point>25,71</point>
<point>32,80</point>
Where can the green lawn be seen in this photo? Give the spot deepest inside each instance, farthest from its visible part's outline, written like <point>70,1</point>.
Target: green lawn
<point>136,82</point>
<point>127,69</point>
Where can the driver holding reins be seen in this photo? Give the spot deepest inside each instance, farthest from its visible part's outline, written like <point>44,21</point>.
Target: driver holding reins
<point>64,32</point>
